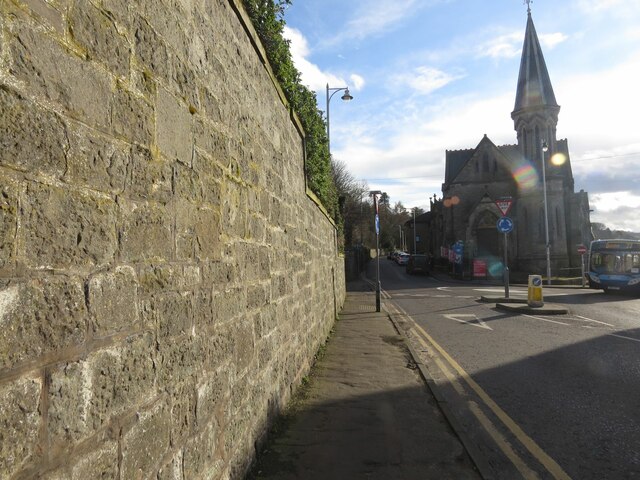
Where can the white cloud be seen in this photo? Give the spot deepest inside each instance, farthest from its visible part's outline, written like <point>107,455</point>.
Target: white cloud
<point>551,40</point>
<point>510,45</point>
<point>312,76</point>
<point>504,46</point>
<point>425,80</point>
<point>357,81</point>
<point>375,17</point>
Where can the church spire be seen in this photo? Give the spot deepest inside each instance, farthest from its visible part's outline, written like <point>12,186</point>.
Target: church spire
<point>535,113</point>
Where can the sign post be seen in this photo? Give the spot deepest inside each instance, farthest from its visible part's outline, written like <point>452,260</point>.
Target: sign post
<point>505,225</point>
<point>582,250</point>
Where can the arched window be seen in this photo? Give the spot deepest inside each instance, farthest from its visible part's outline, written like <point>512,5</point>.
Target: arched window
<point>525,222</point>
<point>558,222</point>
<point>485,163</point>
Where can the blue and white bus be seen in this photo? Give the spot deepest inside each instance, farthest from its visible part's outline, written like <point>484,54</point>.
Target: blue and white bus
<point>615,265</point>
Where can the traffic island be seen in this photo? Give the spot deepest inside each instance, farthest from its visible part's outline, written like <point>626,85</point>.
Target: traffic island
<point>484,299</point>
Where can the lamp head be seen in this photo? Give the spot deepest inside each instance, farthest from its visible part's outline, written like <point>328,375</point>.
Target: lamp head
<point>545,147</point>
<point>347,96</point>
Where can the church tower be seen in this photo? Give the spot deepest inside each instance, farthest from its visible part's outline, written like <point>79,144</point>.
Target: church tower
<point>535,114</point>
<point>549,218</point>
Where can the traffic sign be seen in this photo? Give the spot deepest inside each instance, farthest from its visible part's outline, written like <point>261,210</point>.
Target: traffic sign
<point>377,224</point>
<point>504,204</point>
<point>505,225</point>
<point>582,249</point>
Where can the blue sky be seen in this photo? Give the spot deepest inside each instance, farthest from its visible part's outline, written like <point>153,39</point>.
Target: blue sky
<point>432,75</point>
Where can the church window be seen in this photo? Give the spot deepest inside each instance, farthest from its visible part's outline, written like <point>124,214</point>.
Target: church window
<point>525,223</point>
<point>558,223</point>
<point>477,165</point>
<point>485,163</point>
<point>495,165</point>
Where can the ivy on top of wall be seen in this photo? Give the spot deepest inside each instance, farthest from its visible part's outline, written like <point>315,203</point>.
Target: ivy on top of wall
<point>268,20</point>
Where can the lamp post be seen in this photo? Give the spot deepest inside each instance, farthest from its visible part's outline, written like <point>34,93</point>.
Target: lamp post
<point>330,93</point>
<point>374,194</point>
<point>545,147</point>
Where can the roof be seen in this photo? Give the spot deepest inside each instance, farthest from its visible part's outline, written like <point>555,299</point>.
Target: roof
<point>534,85</point>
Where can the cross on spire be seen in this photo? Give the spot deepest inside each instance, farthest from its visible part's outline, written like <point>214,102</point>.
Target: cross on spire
<point>528,2</point>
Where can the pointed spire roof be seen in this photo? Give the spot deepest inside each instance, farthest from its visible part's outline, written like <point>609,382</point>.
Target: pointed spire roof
<point>534,84</point>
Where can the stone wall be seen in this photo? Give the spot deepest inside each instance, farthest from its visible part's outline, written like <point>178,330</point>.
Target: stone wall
<point>165,278</point>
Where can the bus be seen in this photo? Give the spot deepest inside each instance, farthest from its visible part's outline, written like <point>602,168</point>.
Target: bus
<point>614,265</point>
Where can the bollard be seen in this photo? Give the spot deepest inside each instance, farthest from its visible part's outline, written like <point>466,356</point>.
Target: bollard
<point>534,291</point>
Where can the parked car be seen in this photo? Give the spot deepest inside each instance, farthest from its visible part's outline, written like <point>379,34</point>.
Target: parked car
<point>418,263</point>
<point>394,255</point>
<point>402,259</point>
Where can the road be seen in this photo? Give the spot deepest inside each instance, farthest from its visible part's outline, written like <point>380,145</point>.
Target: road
<point>538,396</point>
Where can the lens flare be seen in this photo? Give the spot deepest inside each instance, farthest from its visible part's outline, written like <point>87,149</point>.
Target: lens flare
<point>525,176</point>
<point>558,159</point>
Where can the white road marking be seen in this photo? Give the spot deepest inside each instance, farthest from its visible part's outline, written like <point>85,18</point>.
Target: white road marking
<point>544,319</point>
<point>460,317</point>
<point>500,290</point>
<point>594,321</point>
<point>622,336</point>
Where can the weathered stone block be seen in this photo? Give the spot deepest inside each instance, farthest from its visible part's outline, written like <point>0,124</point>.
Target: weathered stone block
<point>243,343</point>
<point>120,378</point>
<point>101,463</point>
<point>96,32</point>
<point>95,162</point>
<point>184,79</point>
<point>213,142</point>
<point>131,117</point>
<point>173,129</point>
<point>69,413</point>
<point>210,176</point>
<point>32,139</point>
<point>62,228</point>
<point>174,314</point>
<point>173,470</point>
<point>19,423</point>
<point>258,296</point>
<point>40,316</point>
<point>180,360</point>
<point>187,183</point>
<point>50,70</point>
<point>9,191</point>
<point>213,394</point>
<point>146,232</point>
<point>144,445</point>
<point>182,408</point>
<point>198,232</point>
<point>150,178</point>
<point>200,455</point>
<point>113,301</point>
<point>165,277</point>
<point>151,52</point>
<point>47,15</point>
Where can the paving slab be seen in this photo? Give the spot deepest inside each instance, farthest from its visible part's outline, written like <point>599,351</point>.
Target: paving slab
<point>366,412</point>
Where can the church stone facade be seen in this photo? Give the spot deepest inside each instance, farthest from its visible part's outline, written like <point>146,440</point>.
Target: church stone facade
<point>476,178</point>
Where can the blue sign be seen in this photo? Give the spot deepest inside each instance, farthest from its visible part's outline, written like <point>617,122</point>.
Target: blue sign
<point>505,225</point>
<point>458,249</point>
<point>377,224</point>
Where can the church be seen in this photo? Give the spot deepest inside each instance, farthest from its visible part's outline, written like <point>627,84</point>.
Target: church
<point>488,182</point>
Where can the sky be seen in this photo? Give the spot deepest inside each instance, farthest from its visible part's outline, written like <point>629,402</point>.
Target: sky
<point>434,75</point>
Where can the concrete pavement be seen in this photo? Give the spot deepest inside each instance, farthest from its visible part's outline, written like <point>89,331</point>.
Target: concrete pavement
<point>365,411</point>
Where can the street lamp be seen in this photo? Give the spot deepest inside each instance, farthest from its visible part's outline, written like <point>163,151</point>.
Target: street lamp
<point>346,97</point>
<point>545,148</point>
<point>374,194</point>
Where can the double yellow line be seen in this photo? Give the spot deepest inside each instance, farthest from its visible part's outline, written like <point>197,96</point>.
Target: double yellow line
<point>540,455</point>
